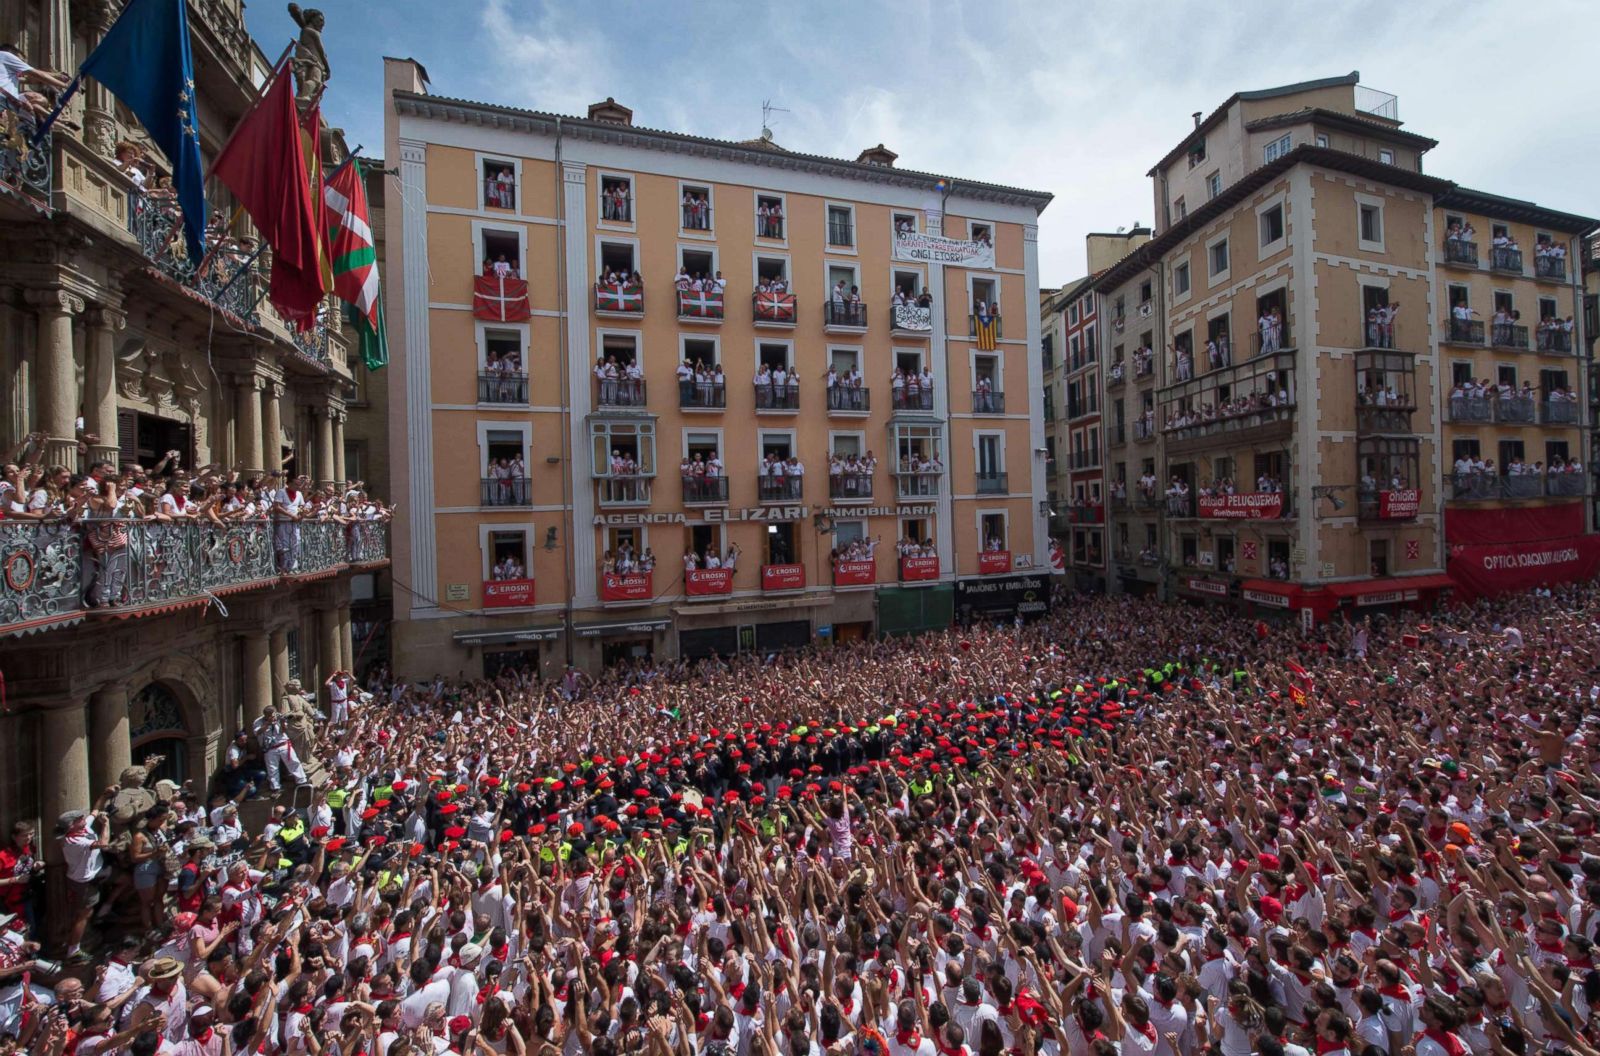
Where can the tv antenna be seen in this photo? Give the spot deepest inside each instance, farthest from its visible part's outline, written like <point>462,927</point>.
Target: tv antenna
<point>767,110</point>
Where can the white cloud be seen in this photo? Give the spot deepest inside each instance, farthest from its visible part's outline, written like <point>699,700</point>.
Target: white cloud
<point>540,59</point>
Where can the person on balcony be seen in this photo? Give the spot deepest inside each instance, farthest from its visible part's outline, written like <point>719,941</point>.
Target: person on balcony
<point>763,382</point>
<point>1183,361</point>
<point>686,383</point>
<point>289,506</point>
<point>730,560</point>
<point>897,389</point>
<point>19,81</point>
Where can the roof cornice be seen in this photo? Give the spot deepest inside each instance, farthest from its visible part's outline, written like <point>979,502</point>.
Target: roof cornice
<point>538,123</point>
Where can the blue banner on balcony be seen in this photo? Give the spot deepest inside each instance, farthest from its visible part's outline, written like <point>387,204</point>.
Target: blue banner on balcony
<point>144,61</point>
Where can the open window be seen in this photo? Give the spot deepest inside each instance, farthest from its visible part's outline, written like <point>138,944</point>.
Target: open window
<point>903,223</point>
<point>619,261</point>
<point>993,529</point>
<point>696,207</point>
<point>704,476</point>
<point>508,555</point>
<point>981,232</point>
<point>505,472</point>
<point>503,377</point>
<point>986,295</point>
<point>698,263</point>
<point>908,282</point>
<point>624,460</point>
<point>1219,350</point>
<point>499,184</point>
<point>502,253</point>
<point>776,482</point>
<point>1271,221</point>
<point>1272,322</point>
<point>782,544</point>
<point>616,199</point>
<point>843,281</point>
<point>775,355</point>
<point>988,392</point>
<point>705,541</point>
<point>619,372</point>
<point>770,217</point>
<point>772,271</point>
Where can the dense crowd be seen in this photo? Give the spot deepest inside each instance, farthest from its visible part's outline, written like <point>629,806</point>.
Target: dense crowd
<point>1118,829</point>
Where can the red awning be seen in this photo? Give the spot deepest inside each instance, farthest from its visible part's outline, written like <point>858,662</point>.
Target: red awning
<point>1271,586</point>
<point>1389,591</point>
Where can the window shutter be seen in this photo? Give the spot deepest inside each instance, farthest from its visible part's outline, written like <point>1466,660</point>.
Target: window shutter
<point>127,436</point>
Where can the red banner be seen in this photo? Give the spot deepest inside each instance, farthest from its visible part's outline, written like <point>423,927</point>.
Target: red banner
<point>855,573</point>
<point>1493,568</point>
<point>775,307</point>
<point>992,561</point>
<point>635,586</point>
<point>618,298</point>
<point>913,569</point>
<point>506,593</point>
<point>1058,558</point>
<point>783,577</point>
<point>1514,524</point>
<point>1399,505</point>
<point>500,300</point>
<point>702,582</point>
<point>1245,506</point>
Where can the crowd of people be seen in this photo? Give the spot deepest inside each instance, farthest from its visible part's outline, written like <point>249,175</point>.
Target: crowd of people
<point>703,477</point>
<point>769,218</point>
<point>845,392</point>
<point>695,560</point>
<point>777,386</point>
<point>911,389</point>
<point>625,560</point>
<point>620,380</point>
<point>1117,829</point>
<point>507,477</point>
<point>850,475</point>
<point>1266,398</point>
<point>696,211</point>
<point>780,478</point>
<point>109,503</point>
<point>864,548</point>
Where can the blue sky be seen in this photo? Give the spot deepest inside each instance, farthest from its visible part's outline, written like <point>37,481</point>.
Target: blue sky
<point>1078,99</point>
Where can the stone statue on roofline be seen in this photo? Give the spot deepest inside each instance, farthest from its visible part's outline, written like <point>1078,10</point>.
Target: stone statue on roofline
<point>310,62</point>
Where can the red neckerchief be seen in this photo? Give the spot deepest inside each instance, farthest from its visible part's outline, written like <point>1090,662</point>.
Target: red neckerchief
<point>488,992</point>
<point>1449,1042</point>
<point>908,1038</point>
<point>1325,1047</point>
<point>1395,990</point>
<point>1148,1030</point>
<point>304,1010</point>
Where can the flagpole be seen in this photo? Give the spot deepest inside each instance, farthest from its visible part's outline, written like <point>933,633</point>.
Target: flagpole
<point>50,120</point>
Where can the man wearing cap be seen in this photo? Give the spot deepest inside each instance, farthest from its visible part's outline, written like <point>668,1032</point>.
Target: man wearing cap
<point>464,982</point>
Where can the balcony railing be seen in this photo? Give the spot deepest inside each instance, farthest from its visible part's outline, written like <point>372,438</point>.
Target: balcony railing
<point>780,489</point>
<point>499,194</point>
<point>1143,366</point>
<point>987,401</point>
<point>1460,251</point>
<point>1464,331</point>
<point>921,400</point>
<point>1143,430</point>
<point>702,395</point>
<point>909,485</point>
<point>1390,418</point>
<point>696,216</point>
<point>992,483</point>
<point>972,326</point>
<point>504,491</point>
<point>911,318</point>
<point>56,571</point>
<point>778,310</point>
<point>1264,344</point>
<point>1378,334</point>
<point>1119,433</point>
<point>848,487</point>
<point>1180,505</point>
<point>769,227</point>
<point>625,489</point>
<point>227,281</point>
<point>1087,459</point>
<point>702,490</point>
<point>25,168</point>
<point>849,400</point>
<point>1471,409</point>
<point>614,209</point>
<point>1555,342</point>
<point>700,306</point>
<point>1489,487</point>
<point>1550,268</point>
<point>1116,376</point>
<point>619,299</point>
<point>770,397</point>
<point>620,392</point>
<point>1559,412</point>
<point>1517,410</point>
<point>844,314</point>
<point>499,387</point>
<point>1504,259</point>
<point>1508,335</point>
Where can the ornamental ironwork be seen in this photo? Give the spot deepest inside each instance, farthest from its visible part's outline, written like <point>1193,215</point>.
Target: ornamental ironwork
<point>24,165</point>
<point>41,571</point>
<point>227,277</point>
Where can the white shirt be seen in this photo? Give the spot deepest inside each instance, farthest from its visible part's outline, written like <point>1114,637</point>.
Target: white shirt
<point>83,857</point>
<point>12,67</point>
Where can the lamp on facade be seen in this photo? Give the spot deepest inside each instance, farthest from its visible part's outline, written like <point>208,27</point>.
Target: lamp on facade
<point>1327,491</point>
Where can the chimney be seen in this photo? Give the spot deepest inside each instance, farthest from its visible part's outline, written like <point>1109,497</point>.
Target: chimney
<point>878,155</point>
<point>611,112</point>
<point>1197,118</point>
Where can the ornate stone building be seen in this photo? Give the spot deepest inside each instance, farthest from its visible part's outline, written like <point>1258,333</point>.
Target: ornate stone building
<point>114,346</point>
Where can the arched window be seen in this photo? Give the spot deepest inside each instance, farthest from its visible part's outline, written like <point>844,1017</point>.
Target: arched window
<point>156,726</point>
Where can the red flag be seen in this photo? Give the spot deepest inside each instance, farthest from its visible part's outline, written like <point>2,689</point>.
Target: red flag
<point>264,165</point>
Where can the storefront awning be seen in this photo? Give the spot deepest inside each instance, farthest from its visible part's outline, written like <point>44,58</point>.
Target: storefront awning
<point>620,627</point>
<point>1273,593</point>
<point>1391,591</point>
<point>544,633</point>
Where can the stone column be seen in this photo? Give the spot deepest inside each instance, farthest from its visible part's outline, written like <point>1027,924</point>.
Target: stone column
<point>272,426</point>
<point>324,473</point>
<point>100,397</point>
<point>63,769</point>
<point>110,751</point>
<point>100,125</point>
<point>56,385</point>
<point>338,450</point>
<point>347,656</point>
<point>257,674</point>
<point>280,661</point>
<point>247,423</point>
<point>328,654</point>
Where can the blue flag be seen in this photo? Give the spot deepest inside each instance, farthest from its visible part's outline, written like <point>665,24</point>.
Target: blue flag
<point>144,61</point>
